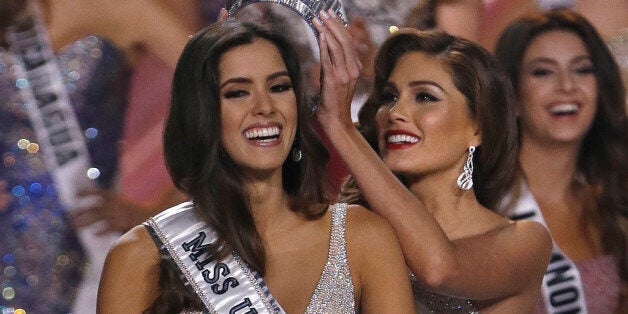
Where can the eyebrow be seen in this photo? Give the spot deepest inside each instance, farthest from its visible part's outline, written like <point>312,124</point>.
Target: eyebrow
<point>426,82</point>
<point>247,80</point>
<point>550,60</point>
<point>416,83</point>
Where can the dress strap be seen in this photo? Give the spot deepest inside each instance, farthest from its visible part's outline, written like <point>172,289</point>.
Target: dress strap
<point>334,292</point>
<point>337,243</point>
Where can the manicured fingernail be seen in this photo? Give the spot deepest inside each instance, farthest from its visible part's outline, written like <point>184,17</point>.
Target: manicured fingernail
<point>317,21</point>
<point>332,13</point>
<point>324,15</point>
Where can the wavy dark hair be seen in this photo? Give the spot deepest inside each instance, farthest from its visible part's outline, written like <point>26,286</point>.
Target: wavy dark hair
<point>603,157</point>
<point>201,167</point>
<point>12,12</point>
<point>490,100</point>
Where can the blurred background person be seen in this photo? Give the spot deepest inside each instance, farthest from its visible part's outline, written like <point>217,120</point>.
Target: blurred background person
<point>457,17</point>
<point>42,258</point>
<point>573,158</point>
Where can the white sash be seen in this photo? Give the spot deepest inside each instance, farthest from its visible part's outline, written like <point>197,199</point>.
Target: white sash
<point>51,114</point>
<point>227,286</point>
<point>562,288</point>
<point>61,141</point>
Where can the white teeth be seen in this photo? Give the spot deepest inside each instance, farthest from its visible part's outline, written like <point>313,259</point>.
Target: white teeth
<point>564,108</point>
<point>402,138</point>
<point>262,132</point>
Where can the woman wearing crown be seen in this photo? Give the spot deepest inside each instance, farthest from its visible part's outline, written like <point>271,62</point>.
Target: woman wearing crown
<point>258,235</point>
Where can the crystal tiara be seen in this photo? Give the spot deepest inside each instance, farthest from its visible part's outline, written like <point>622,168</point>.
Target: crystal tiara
<point>307,9</point>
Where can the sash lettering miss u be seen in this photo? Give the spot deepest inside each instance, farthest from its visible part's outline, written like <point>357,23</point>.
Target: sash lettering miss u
<point>226,286</point>
<point>562,288</point>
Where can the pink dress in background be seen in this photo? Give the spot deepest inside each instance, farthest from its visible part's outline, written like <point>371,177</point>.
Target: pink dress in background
<point>601,283</point>
<point>143,174</point>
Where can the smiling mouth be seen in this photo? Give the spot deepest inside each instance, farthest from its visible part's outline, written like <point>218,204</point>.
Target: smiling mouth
<point>401,139</point>
<point>263,135</point>
<point>564,110</point>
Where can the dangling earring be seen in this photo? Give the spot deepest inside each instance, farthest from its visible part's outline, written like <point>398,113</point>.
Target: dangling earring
<point>297,155</point>
<point>465,179</point>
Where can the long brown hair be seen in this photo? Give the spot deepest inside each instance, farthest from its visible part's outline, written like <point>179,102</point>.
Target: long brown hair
<point>490,100</point>
<point>603,157</point>
<point>201,167</point>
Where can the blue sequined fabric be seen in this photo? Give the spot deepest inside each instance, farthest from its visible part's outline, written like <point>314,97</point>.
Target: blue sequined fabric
<point>40,255</point>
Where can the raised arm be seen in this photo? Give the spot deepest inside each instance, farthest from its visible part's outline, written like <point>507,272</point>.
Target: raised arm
<point>460,17</point>
<point>128,24</point>
<point>490,266</point>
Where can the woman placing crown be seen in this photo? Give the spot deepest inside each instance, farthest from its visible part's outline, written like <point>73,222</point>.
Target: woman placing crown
<point>256,236</point>
<point>441,118</point>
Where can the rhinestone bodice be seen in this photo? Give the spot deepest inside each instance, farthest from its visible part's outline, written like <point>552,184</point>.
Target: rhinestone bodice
<point>334,292</point>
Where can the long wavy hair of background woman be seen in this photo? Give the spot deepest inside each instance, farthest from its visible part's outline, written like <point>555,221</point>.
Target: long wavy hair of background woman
<point>602,159</point>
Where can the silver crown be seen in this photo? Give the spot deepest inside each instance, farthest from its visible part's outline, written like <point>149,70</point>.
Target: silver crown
<point>307,9</point>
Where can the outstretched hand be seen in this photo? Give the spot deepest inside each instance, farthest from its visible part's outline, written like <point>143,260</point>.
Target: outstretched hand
<point>340,68</point>
<point>113,211</point>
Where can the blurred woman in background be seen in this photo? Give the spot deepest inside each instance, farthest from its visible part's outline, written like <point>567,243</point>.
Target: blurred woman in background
<point>573,159</point>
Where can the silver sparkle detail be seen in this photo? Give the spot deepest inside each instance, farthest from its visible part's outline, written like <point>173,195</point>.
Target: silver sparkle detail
<point>334,292</point>
<point>465,180</point>
<point>307,9</point>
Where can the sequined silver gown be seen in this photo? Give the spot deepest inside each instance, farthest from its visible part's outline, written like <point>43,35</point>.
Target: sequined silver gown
<point>334,292</point>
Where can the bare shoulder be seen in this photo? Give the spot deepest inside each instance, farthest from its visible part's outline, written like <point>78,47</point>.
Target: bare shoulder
<point>373,248</point>
<point>367,223</point>
<point>362,219</point>
<point>135,247</point>
<point>130,277</point>
<point>368,234</point>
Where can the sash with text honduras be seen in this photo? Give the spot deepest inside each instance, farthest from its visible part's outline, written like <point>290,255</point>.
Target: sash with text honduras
<point>562,288</point>
<point>226,286</point>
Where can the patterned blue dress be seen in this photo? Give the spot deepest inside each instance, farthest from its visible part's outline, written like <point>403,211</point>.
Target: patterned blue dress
<point>40,256</point>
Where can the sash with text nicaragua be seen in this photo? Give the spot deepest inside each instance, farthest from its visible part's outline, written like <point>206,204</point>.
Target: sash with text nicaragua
<point>60,139</point>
